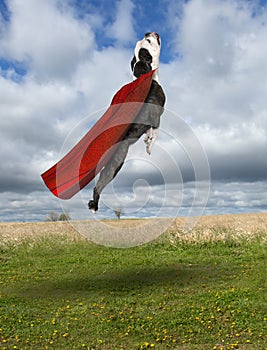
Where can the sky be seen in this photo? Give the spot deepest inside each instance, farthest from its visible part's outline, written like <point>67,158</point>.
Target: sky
<point>61,61</point>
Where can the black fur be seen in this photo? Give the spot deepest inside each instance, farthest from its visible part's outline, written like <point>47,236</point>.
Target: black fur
<point>143,65</point>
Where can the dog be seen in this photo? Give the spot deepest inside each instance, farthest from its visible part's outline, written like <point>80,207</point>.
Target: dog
<point>146,58</point>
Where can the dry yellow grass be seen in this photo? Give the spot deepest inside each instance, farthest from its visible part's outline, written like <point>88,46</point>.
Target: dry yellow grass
<point>16,232</point>
<point>206,228</point>
<point>221,227</point>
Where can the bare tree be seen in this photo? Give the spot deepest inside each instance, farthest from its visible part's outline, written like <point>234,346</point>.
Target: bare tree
<point>64,217</point>
<point>118,212</point>
<point>52,216</point>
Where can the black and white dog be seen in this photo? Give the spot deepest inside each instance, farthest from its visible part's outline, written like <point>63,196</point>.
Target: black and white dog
<point>146,58</point>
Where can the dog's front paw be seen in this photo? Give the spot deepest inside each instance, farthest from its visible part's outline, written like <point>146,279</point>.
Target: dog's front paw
<point>149,147</point>
<point>151,140</point>
<point>147,141</point>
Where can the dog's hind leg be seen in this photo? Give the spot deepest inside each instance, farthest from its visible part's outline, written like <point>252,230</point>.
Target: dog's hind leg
<point>116,162</point>
<point>109,172</point>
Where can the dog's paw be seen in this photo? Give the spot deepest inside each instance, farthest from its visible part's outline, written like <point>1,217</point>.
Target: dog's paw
<point>147,141</point>
<point>93,206</point>
<point>149,148</point>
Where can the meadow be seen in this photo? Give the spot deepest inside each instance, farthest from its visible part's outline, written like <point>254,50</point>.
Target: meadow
<point>200,289</point>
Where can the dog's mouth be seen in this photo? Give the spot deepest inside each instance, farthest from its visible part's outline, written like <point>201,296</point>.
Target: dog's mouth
<point>157,37</point>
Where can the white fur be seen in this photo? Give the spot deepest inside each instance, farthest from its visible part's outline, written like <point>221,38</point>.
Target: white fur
<point>150,139</point>
<point>151,44</point>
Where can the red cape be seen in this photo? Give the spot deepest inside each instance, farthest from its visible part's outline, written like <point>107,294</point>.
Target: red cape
<point>77,168</point>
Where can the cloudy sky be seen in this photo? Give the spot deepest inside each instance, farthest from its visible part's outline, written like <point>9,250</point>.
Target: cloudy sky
<point>61,61</point>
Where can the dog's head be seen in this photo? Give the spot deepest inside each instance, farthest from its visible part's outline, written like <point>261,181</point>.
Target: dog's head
<point>146,54</point>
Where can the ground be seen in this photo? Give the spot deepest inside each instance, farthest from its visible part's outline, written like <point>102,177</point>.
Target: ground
<point>203,288</point>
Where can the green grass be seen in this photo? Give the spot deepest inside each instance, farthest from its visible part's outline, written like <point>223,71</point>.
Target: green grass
<point>56,294</point>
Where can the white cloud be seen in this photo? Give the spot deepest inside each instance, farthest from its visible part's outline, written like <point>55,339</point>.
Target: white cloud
<point>101,76</point>
<point>219,86</point>
<point>219,79</point>
<point>30,206</point>
<point>122,29</point>
<point>237,197</point>
<point>51,42</point>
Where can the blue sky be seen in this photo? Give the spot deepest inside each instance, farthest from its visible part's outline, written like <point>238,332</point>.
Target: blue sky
<point>62,61</point>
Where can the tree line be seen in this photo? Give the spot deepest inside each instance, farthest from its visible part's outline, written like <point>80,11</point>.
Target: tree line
<point>54,216</point>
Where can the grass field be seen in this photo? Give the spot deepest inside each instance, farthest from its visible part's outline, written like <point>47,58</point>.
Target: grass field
<point>201,289</point>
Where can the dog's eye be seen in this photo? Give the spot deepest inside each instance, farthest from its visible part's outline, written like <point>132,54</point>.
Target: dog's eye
<point>148,41</point>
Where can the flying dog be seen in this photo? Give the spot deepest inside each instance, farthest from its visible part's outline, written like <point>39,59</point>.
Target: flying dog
<point>145,60</point>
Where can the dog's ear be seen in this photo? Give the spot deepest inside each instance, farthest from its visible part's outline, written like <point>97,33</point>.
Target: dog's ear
<point>133,62</point>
